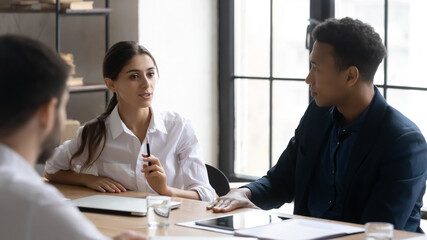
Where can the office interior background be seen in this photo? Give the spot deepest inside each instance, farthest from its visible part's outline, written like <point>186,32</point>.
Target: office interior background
<point>236,68</point>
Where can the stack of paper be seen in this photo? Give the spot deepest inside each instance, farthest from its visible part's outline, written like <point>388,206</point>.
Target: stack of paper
<point>289,228</point>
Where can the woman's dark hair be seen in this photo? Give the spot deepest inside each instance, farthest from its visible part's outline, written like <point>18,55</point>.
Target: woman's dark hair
<point>95,131</point>
<point>31,74</point>
<point>355,44</point>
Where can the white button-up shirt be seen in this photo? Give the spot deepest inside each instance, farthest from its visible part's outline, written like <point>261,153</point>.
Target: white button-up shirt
<point>32,209</point>
<point>172,140</point>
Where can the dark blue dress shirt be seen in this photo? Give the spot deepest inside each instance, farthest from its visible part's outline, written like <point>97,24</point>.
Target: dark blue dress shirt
<point>325,196</point>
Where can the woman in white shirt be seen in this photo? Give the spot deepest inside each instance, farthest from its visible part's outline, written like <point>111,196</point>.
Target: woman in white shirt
<point>109,153</point>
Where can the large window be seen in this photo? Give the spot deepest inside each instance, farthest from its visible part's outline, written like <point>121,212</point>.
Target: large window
<point>401,77</point>
<point>269,90</point>
<point>264,62</point>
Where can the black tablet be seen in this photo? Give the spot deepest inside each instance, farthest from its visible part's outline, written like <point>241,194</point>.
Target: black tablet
<point>241,220</point>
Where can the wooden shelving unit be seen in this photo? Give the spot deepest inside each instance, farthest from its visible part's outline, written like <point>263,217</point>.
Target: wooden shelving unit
<point>105,12</point>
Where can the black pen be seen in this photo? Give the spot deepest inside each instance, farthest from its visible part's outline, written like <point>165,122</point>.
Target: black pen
<point>148,149</point>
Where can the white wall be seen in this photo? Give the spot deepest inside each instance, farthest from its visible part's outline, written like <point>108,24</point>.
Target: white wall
<point>182,36</point>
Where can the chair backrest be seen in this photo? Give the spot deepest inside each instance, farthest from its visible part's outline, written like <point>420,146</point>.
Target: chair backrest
<point>218,180</point>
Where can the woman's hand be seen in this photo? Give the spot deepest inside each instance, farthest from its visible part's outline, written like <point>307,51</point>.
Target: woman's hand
<point>103,184</point>
<point>235,199</point>
<point>155,175</point>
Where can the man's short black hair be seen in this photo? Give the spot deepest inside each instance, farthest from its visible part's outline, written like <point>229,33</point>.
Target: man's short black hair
<point>355,44</point>
<point>31,74</point>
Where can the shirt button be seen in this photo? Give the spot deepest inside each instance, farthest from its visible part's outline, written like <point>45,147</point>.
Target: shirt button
<point>333,172</point>
<point>330,202</point>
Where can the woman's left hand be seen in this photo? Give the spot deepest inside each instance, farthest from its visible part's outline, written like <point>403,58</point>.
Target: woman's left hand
<point>155,174</point>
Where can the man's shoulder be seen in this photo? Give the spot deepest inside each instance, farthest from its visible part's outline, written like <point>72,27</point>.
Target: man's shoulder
<point>397,122</point>
<point>37,206</point>
<point>389,119</point>
<point>24,192</point>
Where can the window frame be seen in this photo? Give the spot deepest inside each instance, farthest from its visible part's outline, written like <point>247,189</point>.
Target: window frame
<point>319,11</point>
<point>227,77</point>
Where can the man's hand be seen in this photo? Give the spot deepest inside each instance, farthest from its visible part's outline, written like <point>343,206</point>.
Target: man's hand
<point>103,184</point>
<point>235,199</point>
<point>130,235</point>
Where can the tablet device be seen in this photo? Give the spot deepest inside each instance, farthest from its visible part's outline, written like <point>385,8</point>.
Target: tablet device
<point>241,220</point>
<point>115,205</point>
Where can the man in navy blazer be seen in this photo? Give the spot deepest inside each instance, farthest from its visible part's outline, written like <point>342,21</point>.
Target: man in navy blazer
<point>353,158</point>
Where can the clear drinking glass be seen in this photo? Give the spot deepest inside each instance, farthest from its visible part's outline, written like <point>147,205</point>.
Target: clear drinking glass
<point>379,231</point>
<point>158,211</point>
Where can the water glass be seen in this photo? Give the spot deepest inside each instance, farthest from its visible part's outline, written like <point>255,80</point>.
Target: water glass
<point>378,231</point>
<point>158,211</point>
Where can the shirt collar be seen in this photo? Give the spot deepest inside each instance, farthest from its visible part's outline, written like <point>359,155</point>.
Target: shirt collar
<point>156,122</point>
<point>117,126</point>
<point>355,126</point>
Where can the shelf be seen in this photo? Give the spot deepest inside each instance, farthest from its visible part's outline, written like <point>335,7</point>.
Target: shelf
<point>88,88</point>
<point>91,88</point>
<point>95,11</point>
<point>66,12</point>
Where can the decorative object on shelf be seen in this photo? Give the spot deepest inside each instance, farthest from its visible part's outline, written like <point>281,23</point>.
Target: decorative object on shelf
<point>72,81</point>
<point>71,127</point>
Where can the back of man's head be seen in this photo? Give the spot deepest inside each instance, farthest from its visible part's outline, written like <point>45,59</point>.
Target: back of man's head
<point>355,44</point>
<point>30,75</point>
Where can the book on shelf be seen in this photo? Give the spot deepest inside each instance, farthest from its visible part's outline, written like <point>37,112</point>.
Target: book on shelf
<point>83,5</point>
<point>23,2</point>
<point>25,7</point>
<point>74,81</point>
<point>46,4</point>
<point>62,1</point>
<point>20,4</point>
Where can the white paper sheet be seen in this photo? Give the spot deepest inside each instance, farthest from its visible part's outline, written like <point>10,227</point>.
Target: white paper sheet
<point>299,229</point>
<point>198,238</point>
<point>424,237</point>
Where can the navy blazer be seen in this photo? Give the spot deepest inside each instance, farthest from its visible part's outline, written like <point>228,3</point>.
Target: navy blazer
<point>386,174</point>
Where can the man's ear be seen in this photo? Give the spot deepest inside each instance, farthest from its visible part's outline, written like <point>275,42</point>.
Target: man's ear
<point>46,115</point>
<point>352,75</point>
<point>110,84</point>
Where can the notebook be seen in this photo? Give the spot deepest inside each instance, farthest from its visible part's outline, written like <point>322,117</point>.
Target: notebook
<point>115,205</point>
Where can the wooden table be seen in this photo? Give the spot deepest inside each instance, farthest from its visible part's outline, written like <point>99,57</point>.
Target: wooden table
<point>190,210</point>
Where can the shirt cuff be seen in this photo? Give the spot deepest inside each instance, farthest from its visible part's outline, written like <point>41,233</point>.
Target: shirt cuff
<point>205,194</point>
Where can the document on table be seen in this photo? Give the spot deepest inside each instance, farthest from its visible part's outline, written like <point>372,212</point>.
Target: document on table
<point>289,228</point>
<point>198,238</point>
<point>299,229</point>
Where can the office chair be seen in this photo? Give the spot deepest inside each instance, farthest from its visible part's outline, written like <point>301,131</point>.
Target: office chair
<point>218,180</point>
